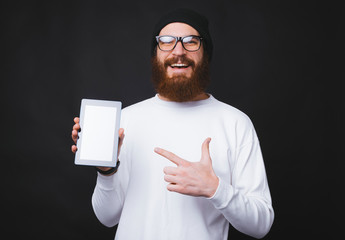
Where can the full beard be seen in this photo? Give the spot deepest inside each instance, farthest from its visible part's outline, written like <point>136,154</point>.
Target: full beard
<point>179,87</point>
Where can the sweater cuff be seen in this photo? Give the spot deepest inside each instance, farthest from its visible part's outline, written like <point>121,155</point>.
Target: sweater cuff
<point>223,195</point>
<point>105,182</point>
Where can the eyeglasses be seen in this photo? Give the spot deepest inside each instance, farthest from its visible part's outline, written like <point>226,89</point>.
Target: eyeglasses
<point>190,43</point>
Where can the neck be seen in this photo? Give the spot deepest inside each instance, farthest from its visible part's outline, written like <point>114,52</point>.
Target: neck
<point>201,96</point>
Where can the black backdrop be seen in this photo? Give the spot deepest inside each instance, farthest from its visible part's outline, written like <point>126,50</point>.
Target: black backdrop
<point>281,62</point>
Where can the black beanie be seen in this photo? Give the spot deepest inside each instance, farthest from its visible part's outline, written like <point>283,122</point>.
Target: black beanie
<point>190,17</point>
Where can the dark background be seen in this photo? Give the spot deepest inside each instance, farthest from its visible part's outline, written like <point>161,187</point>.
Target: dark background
<point>281,62</point>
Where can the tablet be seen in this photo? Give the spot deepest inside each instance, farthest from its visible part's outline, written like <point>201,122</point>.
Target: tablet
<point>98,139</point>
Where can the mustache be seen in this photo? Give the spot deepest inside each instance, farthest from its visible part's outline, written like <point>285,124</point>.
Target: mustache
<point>181,59</point>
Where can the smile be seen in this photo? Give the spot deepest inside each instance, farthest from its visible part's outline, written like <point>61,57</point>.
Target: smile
<point>179,65</point>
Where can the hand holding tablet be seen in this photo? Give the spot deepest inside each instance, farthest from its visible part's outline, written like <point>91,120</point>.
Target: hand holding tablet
<point>97,134</point>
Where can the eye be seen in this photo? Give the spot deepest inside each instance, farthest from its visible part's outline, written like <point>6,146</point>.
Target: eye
<point>166,39</point>
<point>191,40</point>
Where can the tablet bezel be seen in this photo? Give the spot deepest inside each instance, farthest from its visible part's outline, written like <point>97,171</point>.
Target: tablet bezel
<point>101,103</point>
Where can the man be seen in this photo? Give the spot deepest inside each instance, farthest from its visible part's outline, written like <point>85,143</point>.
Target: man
<point>174,182</point>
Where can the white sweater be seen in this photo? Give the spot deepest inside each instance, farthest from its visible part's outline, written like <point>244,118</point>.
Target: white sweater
<point>136,197</point>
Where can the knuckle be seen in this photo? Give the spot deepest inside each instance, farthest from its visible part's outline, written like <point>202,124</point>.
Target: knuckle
<point>166,178</point>
<point>170,155</point>
<point>172,187</point>
<point>184,185</point>
<point>73,148</point>
<point>184,171</point>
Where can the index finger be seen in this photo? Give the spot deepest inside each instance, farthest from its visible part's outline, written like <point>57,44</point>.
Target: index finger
<point>170,156</point>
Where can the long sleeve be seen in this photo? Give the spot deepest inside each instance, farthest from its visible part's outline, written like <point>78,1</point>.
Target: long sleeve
<point>109,194</point>
<point>246,202</point>
<point>107,201</point>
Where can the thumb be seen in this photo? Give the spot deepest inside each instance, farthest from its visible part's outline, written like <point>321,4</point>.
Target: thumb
<point>205,151</point>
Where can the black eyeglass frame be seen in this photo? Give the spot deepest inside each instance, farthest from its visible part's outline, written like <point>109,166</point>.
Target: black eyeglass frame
<point>179,39</point>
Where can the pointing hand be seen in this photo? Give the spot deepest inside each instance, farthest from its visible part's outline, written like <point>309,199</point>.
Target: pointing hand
<point>191,178</point>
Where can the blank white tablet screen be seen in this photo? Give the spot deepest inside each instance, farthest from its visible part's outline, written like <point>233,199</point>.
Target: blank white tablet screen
<point>98,133</point>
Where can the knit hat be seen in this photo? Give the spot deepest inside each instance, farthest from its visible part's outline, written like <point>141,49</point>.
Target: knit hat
<point>190,17</point>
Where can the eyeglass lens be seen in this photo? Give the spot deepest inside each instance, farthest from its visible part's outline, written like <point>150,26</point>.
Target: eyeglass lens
<point>168,43</point>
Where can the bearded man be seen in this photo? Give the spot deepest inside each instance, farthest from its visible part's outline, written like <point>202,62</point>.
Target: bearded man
<point>173,183</point>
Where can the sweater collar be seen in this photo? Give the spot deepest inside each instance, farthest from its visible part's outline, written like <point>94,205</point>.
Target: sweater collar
<point>190,104</point>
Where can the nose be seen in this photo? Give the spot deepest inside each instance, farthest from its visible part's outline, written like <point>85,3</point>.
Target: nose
<point>179,50</point>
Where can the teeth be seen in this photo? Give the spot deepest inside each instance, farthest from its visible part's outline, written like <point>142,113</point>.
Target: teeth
<point>179,65</point>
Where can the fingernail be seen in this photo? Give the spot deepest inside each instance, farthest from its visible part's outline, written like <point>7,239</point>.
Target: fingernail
<point>157,150</point>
